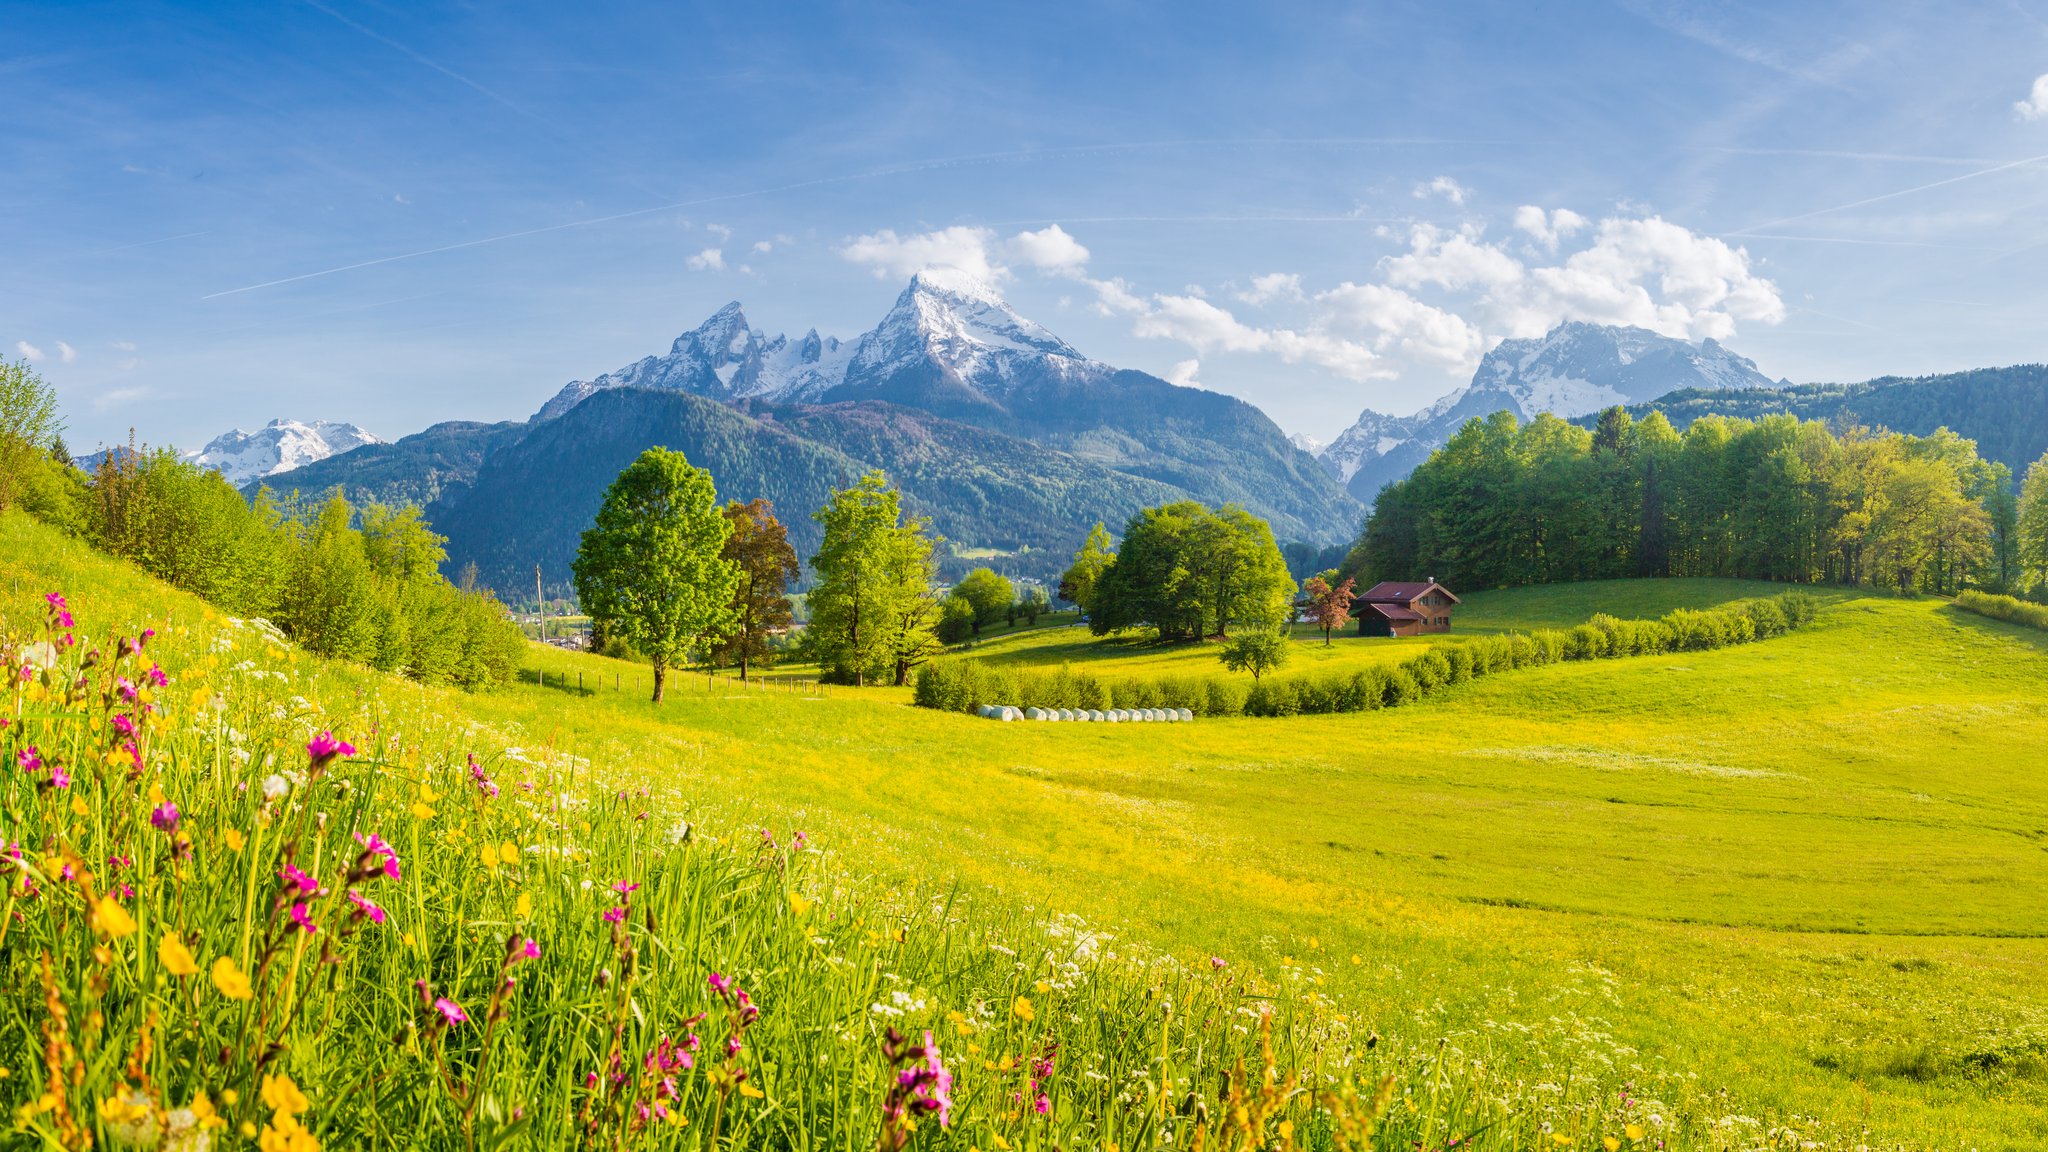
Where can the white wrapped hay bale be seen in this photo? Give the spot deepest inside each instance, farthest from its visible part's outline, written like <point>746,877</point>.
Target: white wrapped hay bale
<point>1187,714</point>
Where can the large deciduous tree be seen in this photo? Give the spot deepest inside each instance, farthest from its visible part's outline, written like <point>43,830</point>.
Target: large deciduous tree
<point>652,569</point>
<point>873,610</point>
<point>1077,585</point>
<point>986,593</point>
<point>759,545</point>
<point>1190,573</point>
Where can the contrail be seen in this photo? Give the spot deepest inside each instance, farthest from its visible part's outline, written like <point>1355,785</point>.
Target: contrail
<point>395,46</point>
<point>894,170</point>
<point>1893,195</point>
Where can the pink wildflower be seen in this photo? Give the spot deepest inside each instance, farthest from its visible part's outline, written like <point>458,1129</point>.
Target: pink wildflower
<point>302,917</point>
<point>325,747</point>
<point>30,759</point>
<point>375,846</point>
<point>295,878</point>
<point>451,1010</point>
<point>614,915</point>
<point>165,817</point>
<point>527,951</point>
<point>124,725</point>
<point>365,907</point>
<point>720,984</point>
<point>156,677</point>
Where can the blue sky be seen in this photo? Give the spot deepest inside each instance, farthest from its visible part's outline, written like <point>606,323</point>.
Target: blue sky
<point>398,213</point>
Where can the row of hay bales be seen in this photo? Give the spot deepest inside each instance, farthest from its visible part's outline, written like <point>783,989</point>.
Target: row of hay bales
<point>1094,715</point>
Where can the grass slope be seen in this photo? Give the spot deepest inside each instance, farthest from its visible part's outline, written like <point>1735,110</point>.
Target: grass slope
<point>1803,873</point>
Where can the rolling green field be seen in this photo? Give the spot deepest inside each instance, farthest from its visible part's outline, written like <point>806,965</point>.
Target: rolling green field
<point>1799,881</point>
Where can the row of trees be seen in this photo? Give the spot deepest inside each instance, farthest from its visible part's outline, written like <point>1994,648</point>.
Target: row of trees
<point>982,597</point>
<point>357,584</point>
<point>666,572</point>
<point>1777,498</point>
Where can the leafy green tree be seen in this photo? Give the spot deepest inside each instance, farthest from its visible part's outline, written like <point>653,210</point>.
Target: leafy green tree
<point>873,612</point>
<point>1257,652</point>
<point>1190,572</point>
<point>1077,585</point>
<point>759,545</point>
<point>28,425</point>
<point>652,567</point>
<point>2033,521</point>
<point>400,545</point>
<point>987,593</point>
<point>956,621</point>
<point>1032,604</point>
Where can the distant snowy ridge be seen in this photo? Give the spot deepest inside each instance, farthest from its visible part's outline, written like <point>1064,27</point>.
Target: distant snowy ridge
<point>1573,370</point>
<point>278,446</point>
<point>944,320</point>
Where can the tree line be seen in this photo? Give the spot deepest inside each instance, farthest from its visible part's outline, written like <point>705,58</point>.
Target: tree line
<point>357,584</point>
<point>1507,503</point>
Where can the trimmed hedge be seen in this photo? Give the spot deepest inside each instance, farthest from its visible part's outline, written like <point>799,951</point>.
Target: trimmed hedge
<point>962,685</point>
<point>2010,609</point>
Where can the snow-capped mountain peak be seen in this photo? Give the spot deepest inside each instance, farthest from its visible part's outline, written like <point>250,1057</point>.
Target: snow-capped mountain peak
<point>1573,370</point>
<point>278,446</point>
<point>945,321</point>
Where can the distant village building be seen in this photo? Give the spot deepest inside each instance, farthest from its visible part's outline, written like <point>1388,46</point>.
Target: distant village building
<point>1403,608</point>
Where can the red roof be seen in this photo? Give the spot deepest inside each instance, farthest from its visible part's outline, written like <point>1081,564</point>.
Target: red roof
<point>1402,592</point>
<point>1393,612</point>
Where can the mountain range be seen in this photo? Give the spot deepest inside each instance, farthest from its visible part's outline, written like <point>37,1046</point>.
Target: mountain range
<point>1574,370</point>
<point>1012,441</point>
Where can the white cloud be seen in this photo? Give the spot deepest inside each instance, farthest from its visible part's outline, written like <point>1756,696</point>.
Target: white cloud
<point>66,352</point>
<point>1453,260</point>
<point>1445,187</point>
<point>710,259</point>
<point>719,230</point>
<point>763,246</point>
<point>117,396</point>
<point>1651,273</point>
<point>1549,228</point>
<point>1399,324</point>
<point>1050,249</point>
<point>1207,328</point>
<point>1183,373</point>
<point>29,352</point>
<point>900,257</point>
<point>1273,286</point>
<point>2035,106</point>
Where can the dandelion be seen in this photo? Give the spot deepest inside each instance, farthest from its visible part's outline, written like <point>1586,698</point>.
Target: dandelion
<point>1635,1131</point>
<point>164,817</point>
<point>233,839</point>
<point>1023,1010</point>
<point>230,980</point>
<point>175,957</point>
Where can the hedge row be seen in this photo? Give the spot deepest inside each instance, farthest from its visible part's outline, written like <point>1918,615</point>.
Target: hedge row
<point>2007,608</point>
<point>962,685</point>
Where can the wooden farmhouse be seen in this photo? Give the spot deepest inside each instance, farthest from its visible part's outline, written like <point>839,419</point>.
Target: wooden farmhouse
<point>1403,608</point>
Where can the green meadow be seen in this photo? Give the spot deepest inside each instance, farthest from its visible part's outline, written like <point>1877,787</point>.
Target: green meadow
<point>1797,883</point>
<point>1808,870</point>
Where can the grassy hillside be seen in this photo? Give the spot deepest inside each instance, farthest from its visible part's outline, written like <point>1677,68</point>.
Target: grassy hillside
<point>1787,891</point>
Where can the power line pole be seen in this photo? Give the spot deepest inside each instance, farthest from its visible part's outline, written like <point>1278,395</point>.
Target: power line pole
<point>540,605</point>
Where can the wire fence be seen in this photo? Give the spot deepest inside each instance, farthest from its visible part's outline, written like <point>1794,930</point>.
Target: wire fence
<point>641,680</point>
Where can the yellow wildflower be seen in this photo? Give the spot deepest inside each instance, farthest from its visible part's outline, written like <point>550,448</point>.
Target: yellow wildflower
<point>489,854</point>
<point>284,1133</point>
<point>422,811</point>
<point>109,918</point>
<point>281,1095</point>
<point>523,908</point>
<point>175,957</point>
<point>1023,1009</point>
<point>230,980</point>
<point>751,1091</point>
<point>1041,987</point>
<point>1611,1144</point>
<point>1635,1131</point>
<point>79,806</point>
<point>233,838</point>
<point>798,905</point>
